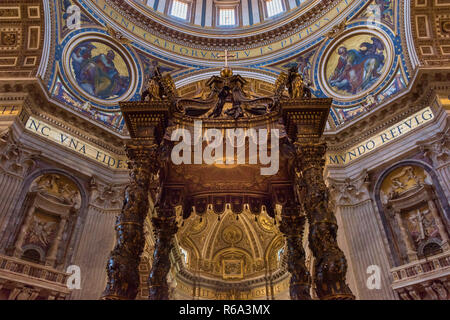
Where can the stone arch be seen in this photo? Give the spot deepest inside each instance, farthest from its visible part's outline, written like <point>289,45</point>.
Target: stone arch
<point>441,202</point>
<point>35,248</point>
<point>275,245</point>
<point>19,212</point>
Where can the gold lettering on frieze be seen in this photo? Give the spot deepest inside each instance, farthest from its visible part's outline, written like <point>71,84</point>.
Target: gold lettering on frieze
<point>389,135</point>
<point>49,132</point>
<point>206,53</point>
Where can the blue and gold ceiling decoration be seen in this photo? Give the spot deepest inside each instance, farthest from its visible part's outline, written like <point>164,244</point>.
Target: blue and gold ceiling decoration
<point>357,58</point>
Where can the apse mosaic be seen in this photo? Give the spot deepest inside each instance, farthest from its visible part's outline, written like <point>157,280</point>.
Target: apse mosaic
<point>99,70</point>
<point>357,65</point>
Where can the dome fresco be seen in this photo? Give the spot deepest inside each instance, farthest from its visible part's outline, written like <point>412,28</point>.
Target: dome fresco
<point>99,70</point>
<point>345,49</point>
<point>356,65</point>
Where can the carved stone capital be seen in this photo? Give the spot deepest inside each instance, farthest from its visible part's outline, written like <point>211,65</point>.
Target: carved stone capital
<point>107,196</point>
<point>437,149</point>
<point>350,191</point>
<point>15,158</point>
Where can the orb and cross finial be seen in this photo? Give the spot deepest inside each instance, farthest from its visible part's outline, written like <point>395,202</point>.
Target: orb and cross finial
<point>226,71</point>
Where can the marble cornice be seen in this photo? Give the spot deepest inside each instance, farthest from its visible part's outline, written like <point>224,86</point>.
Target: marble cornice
<point>421,94</point>
<point>189,37</point>
<point>36,103</point>
<point>437,149</point>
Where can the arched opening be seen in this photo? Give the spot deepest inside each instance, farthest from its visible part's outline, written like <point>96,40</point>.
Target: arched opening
<point>431,249</point>
<point>32,255</point>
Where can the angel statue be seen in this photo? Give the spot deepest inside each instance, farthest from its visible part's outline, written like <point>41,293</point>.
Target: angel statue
<point>153,89</point>
<point>297,88</point>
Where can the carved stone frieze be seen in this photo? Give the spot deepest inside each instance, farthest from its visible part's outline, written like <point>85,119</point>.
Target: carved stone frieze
<point>57,188</point>
<point>45,283</point>
<point>168,31</point>
<point>426,279</point>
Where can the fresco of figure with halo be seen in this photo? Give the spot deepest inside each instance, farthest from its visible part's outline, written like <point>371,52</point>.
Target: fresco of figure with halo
<point>99,70</point>
<point>357,65</point>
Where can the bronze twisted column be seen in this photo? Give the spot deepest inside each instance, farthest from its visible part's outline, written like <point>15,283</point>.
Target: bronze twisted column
<point>122,266</point>
<point>165,227</point>
<point>330,265</point>
<point>292,226</point>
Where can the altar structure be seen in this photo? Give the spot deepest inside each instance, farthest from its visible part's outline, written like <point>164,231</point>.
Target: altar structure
<point>287,198</point>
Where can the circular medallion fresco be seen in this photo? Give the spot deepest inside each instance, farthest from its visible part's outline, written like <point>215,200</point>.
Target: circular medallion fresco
<point>231,234</point>
<point>99,70</point>
<point>355,65</point>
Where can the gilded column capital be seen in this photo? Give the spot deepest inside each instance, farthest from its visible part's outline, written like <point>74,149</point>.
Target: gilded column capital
<point>106,196</point>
